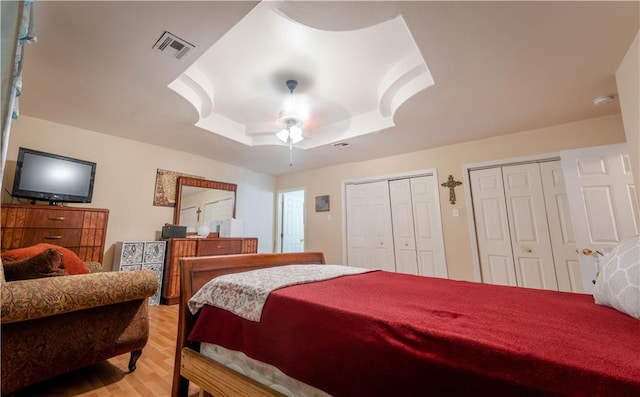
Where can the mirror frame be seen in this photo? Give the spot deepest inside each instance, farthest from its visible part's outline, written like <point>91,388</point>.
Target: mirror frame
<point>204,183</point>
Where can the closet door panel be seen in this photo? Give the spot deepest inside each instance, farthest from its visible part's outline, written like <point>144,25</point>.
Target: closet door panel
<point>527,215</point>
<point>428,227</point>
<point>360,246</point>
<point>383,256</point>
<point>563,241</point>
<point>403,228</point>
<point>492,227</point>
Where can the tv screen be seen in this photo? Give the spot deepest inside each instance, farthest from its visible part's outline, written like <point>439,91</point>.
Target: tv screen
<point>54,178</point>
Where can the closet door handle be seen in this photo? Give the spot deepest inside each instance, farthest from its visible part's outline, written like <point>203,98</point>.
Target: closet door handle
<point>527,250</point>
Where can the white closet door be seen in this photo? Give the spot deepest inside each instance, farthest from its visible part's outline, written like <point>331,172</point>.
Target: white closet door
<point>403,228</point>
<point>563,241</point>
<point>369,230</point>
<point>428,227</point>
<point>492,227</point>
<point>602,198</point>
<point>530,241</point>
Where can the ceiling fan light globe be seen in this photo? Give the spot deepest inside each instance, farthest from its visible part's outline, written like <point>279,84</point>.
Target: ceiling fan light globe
<point>296,134</point>
<point>283,135</point>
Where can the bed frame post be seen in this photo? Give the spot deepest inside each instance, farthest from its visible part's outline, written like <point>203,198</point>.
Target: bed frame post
<point>180,387</point>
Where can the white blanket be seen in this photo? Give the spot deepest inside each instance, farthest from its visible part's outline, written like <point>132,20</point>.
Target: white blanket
<point>244,294</point>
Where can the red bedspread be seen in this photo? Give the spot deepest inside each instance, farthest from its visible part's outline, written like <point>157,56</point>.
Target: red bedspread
<point>389,334</point>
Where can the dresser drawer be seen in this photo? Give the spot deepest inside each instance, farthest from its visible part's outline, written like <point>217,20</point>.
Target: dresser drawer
<point>58,219</point>
<point>81,230</point>
<point>219,247</point>
<point>62,237</point>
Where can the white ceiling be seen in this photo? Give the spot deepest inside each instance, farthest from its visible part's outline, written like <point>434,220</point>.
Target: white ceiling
<point>352,81</point>
<point>498,67</point>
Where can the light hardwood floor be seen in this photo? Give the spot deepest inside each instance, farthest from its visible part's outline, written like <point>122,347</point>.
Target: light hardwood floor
<point>152,378</point>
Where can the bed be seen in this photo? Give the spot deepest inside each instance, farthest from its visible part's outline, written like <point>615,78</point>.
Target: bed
<point>380,333</point>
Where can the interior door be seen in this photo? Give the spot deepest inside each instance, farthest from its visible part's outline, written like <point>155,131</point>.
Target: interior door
<point>403,229</point>
<point>492,227</point>
<point>602,199</point>
<point>530,241</point>
<point>369,229</point>
<point>292,234</point>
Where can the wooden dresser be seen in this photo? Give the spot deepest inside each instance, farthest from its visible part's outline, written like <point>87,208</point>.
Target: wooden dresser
<point>181,247</point>
<point>82,230</point>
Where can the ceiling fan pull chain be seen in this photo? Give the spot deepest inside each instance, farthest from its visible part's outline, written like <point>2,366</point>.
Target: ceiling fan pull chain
<point>290,152</point>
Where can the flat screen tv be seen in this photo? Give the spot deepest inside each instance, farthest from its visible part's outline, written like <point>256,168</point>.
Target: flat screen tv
<point>42,176</point>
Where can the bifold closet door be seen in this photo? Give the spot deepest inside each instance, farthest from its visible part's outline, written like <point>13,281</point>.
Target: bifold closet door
<point>417,226</point>
<point>369,229</point>
<point>396,226</point>
<point>522,220</point>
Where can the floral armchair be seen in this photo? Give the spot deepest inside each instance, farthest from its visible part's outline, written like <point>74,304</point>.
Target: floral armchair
<point>54,325</point>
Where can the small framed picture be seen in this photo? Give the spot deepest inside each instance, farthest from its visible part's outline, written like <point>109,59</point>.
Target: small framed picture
<point>322,203</point>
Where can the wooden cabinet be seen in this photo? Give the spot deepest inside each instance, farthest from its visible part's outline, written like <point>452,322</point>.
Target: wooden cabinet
<point>138,255</point>
<point>181,247</point>
<point>82,230</point>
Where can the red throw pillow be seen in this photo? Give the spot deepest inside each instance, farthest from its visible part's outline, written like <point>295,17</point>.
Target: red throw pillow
<point>48,263</point>
<point>72,263</point>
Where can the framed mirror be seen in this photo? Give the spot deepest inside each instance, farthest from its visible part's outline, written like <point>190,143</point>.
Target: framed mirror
<point>201,202</point>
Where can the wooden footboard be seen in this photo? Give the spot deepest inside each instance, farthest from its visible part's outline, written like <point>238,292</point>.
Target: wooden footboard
<point>219,380</point>
<point>190,365</point>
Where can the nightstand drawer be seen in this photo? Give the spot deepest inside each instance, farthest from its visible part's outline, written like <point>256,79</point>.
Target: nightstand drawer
<point>219,247</point>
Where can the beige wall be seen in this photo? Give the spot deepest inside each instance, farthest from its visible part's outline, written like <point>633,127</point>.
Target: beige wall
<point>125,180</point>
<point>324,230</point>
<point>628,81</point>
<point>126,177</point>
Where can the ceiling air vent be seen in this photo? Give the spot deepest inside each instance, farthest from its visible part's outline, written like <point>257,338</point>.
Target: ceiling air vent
<point>173,45</point>
<point>341,145</point>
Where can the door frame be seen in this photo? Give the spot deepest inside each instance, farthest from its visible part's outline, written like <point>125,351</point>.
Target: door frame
<point>471,221</point>
<point>279,214</point>
<point>388,177</point>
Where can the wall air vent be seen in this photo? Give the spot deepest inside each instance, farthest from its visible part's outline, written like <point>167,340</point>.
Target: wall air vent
<point>341,145</point>
<point>173,45</point>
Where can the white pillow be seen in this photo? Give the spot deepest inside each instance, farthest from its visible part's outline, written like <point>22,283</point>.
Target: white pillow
<point>618,284</point>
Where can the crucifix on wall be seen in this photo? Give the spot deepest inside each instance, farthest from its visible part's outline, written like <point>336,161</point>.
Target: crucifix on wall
<point>451,184</point>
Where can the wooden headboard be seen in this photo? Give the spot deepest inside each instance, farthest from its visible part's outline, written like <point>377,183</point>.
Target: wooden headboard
<point>195,272</point>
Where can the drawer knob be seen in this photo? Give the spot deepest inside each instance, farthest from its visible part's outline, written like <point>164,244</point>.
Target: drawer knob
<point>221,247</point>
<point>52,237</point>
<point>56,218</point>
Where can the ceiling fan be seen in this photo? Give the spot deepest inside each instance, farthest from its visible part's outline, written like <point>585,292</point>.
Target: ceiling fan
<point>292,120</point>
